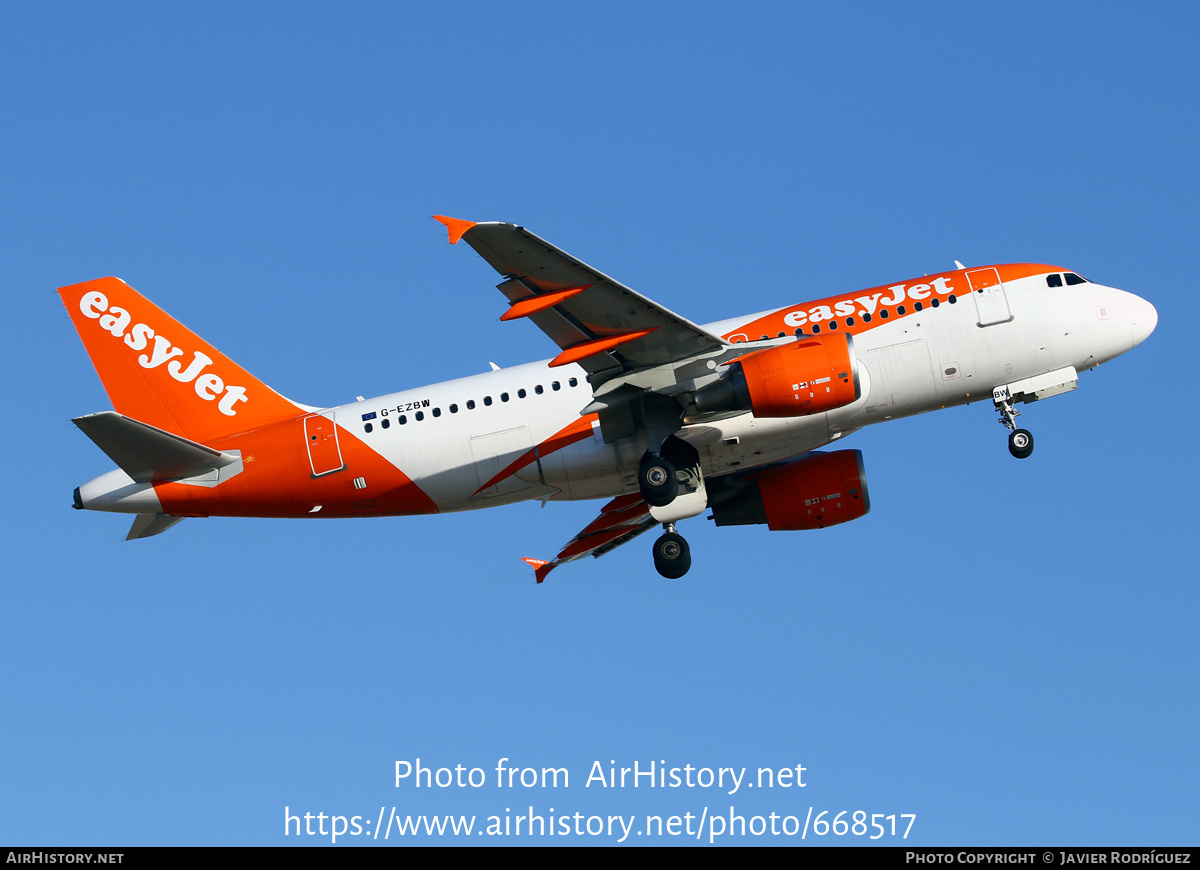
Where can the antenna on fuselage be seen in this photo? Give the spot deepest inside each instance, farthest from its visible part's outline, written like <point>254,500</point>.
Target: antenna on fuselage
<point>960,265</point>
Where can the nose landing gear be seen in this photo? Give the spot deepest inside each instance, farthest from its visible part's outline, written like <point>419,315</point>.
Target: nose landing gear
<point>1020,441</point>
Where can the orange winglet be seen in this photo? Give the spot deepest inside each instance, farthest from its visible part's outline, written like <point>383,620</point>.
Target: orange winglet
<point>534,304</point>
<point>597,345</point>
<point>540,567</point>
<point>454,226</point>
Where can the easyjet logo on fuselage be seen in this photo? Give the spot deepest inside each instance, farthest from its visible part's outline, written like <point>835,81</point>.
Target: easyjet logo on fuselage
<point>867,304</point>
<point>117,321</point>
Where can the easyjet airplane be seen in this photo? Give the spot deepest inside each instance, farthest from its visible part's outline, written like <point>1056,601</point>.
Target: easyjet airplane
<point>664,417</point>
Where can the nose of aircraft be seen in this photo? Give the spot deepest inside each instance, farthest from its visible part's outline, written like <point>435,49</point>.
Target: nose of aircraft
<point>1143,318</point>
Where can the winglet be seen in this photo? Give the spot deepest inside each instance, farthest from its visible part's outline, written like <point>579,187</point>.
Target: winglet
<point>455,227</point>
<point>541,567</point>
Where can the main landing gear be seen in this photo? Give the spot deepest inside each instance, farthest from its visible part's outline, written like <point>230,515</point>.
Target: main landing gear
<point>671,482</point>
<point>672,556</point>
<point>657,481</point>
<point>1020,441</point>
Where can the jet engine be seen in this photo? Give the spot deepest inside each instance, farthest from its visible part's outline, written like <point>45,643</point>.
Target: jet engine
<point>818,490</point>
<point>814,373</point>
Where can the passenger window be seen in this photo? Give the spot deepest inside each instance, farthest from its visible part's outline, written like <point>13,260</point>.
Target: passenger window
<point>437,412</point>
<point>935,302</point>
<point>574,382</point>
<point>883,313</point>
<point>454,409</point>
<point>849,321</point>
<point>1073,279</point>
<point>816,328</point>
<point>521,393</point>
<point>1054,280</point>
<point>917,306</point>
<point>470,404</point>
<point>900,310</point>
<point>504,397</point>
<point>420,416</point>
<point>833,324</point>
<point>487,400</point>
<point>367,428</point>
<point>385,422</point>
<point>867,317</point>
<point>555,386</point>
<point>538,389</point>
<point>403,419</point>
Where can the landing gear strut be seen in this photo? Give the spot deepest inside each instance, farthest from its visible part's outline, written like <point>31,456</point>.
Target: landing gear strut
<point>1020,441</point>
<point>672,556</point>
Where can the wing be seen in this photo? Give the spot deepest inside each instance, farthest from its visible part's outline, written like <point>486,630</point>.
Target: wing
<point>620,521</point>
<point>585,312</point>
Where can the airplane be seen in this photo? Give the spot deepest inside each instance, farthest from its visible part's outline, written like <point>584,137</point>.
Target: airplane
<point>664,417</point>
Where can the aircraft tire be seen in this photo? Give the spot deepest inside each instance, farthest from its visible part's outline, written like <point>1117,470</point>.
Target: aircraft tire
<point>656,480</point>
<point>672,556</point>
<point>1020,443</point>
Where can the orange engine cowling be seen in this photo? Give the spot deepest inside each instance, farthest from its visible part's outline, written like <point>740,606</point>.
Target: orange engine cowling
<point>814,373</point>
<point>818,490</point>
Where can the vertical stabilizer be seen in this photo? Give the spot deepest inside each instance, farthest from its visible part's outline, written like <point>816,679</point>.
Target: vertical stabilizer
<point>158,371</point>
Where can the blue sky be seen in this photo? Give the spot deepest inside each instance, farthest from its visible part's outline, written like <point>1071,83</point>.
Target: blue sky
<point>1006,649</point>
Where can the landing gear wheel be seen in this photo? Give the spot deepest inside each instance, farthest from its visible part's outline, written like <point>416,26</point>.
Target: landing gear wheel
<point>656,480</point>
<point>1020,443</point>
<point>672,556</point>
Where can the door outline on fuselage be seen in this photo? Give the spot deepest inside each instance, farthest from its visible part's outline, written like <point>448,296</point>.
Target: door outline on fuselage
<point>991,302</point>
<point>902,378</point>
<point>493,452</point>
<point>319,430</point>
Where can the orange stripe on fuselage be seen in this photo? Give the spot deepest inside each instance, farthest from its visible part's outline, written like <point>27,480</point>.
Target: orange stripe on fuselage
<point>888,297</point>
<point>277,481</point>
<point>568,435</point>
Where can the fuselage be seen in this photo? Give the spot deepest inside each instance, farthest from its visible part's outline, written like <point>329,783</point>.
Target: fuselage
<point>518,433</point>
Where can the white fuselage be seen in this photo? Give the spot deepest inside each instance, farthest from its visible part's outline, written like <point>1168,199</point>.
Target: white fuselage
<point>935,358</point>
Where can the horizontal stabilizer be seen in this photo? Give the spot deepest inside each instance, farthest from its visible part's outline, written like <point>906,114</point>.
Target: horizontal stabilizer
<point>147,454</point>
<point>149,525</point>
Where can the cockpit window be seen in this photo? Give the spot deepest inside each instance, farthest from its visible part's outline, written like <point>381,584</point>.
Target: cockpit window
<point>1054,280</point>
<point>1073,279</point>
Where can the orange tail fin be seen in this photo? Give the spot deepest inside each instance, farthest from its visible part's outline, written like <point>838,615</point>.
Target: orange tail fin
<point>158,371</point>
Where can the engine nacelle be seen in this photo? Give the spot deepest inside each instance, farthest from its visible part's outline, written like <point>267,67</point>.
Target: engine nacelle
<point>819,490</point>
<point>812,374</point>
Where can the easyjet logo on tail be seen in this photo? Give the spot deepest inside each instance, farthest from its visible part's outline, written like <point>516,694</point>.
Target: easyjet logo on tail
<point>158,350</point>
